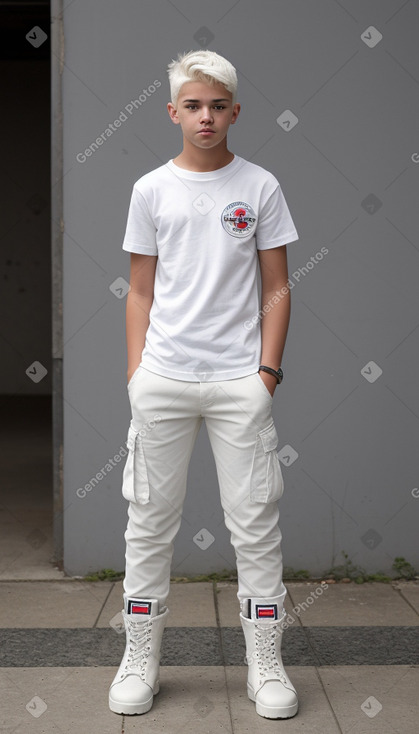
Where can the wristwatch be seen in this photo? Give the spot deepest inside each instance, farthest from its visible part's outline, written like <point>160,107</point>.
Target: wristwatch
<point>278,373</point>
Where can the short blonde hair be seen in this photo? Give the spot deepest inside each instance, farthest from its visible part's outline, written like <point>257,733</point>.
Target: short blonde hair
<point>201,66</point>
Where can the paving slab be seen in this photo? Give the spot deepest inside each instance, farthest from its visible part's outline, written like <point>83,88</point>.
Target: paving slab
<point>51,604</point>
<point>369,604</point>
<point>370,699</point>
<point>57,701</point>
<point>111,612</point>
<point>60,701</point>
<point>409,590</point>
<point>229,606</point>
<point>191,701</point>
<point>190,605</point>
<point>314,715</point>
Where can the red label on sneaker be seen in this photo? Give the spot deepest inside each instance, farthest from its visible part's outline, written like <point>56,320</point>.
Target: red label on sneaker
<point>266,611</point>
<point>135,607</point>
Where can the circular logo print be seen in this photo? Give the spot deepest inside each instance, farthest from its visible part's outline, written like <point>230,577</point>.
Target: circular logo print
<point>238,219</point>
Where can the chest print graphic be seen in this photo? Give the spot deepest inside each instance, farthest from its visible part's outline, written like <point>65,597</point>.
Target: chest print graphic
<point>238,219</point>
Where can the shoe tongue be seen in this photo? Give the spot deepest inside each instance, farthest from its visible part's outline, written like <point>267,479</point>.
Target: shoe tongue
<point>142,608</point>
<point>259,611</point>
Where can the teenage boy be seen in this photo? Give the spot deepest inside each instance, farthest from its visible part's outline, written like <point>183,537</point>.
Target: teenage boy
<point>202,346</point>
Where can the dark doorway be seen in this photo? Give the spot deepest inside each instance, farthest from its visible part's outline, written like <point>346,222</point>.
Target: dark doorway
<point>26,488</point>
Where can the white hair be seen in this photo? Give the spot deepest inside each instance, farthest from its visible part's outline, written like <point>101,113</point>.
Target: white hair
<point>201,66</point>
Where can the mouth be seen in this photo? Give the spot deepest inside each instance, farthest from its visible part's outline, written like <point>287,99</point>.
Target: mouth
<point>206,132</point>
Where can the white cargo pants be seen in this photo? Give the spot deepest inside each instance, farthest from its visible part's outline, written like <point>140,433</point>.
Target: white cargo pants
<point>166,416</point>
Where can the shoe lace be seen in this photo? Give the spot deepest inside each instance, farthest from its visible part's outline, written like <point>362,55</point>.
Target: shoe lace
<point>139,635</point>
<point>266,652</point>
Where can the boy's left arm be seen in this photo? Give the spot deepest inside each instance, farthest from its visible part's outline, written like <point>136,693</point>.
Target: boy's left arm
<point>275,320</point>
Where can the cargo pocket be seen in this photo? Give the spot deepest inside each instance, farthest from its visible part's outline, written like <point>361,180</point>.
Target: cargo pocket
<point>135,483</point>
<point>266,482</point>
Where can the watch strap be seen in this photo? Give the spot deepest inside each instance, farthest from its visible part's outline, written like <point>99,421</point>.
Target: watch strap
<point>277,373</point>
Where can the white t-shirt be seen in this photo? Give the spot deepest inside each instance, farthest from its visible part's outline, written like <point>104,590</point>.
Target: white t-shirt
<point>206,228</point>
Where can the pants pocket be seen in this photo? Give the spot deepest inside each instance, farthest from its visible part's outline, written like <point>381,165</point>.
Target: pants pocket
<point>266,482</point>
<point>135,482</point>
<point>263,386</point>
<point>133,376</point>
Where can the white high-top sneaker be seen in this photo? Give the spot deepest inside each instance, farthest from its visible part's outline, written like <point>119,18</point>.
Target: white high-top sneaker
<point>137,679</point>
<point>267,682</point>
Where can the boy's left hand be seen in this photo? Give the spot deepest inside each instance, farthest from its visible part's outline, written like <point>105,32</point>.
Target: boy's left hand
<point>269,380</point>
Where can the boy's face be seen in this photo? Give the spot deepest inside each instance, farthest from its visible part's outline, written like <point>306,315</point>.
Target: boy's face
<point>202,106</point>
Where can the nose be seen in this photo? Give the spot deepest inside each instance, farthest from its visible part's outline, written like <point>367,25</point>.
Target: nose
<point>206,113</point>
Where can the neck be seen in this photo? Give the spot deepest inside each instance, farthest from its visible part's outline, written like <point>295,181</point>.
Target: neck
<point>196,159</point>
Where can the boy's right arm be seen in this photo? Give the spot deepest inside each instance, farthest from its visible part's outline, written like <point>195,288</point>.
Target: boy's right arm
<point>139,301</point>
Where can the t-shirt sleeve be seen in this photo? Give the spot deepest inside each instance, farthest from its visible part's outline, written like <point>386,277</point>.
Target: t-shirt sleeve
<point>140,233</point>
<point>275,226</point>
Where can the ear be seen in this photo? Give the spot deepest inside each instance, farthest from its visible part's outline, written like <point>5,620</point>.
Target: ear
<point>173,113</point>
<point>235,113</point>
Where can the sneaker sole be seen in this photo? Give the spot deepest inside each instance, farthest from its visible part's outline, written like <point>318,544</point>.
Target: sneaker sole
<point>276,713</point>
<point>273,712</point>
<point>130,709</point>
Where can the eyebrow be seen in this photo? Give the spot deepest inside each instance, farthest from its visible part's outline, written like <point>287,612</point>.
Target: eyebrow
<point>214,100</point>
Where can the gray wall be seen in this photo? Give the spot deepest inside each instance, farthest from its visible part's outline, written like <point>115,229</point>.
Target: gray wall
<point>349,404</point>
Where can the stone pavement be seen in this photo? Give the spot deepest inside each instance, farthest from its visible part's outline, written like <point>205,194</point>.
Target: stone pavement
<point>350,650</point>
